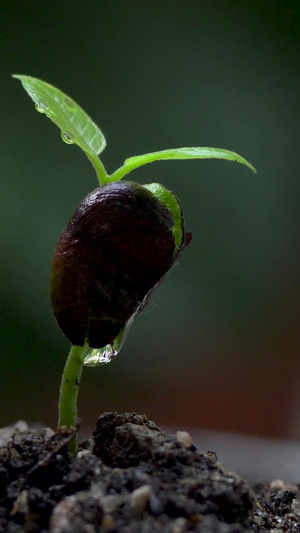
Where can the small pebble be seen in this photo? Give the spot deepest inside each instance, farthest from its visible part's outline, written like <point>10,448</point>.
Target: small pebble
<point>49,433</point>
<point>107,522</point>
<point>295,506</point>
<point>21,504</point>
<point>81,453</point>
<point>60,518</point>
<point>179,525</point>
<point>21,426</point>
<point>185,438</point>
<point>277,484</point>
<point>139,498</point>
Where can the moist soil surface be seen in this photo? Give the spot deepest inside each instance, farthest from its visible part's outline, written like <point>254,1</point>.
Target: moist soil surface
<point>131,478</point>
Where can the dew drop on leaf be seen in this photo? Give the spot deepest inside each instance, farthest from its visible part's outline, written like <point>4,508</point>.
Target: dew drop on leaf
<point>66,137</point>
<point>69,104</point>
<point>40,106</point>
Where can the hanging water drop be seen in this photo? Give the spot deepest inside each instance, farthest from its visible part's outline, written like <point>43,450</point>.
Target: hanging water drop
<point>40,106</point>
<point>104,355</point>
<point>100,356</point>
<point>66,137</point>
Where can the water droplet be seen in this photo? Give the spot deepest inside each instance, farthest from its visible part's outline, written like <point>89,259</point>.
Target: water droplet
<point>66,137</point>
<point>40,106</point>
<point>100,356</point>
<point>70,104</point>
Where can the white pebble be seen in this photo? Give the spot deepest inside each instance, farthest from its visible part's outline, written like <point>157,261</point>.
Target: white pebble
<point>185,438</point>
<point>139,498</point>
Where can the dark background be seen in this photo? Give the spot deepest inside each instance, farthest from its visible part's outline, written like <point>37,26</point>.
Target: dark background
<point>219,348</point>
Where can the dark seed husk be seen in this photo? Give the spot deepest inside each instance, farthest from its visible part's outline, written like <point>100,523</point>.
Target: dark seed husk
<point>115,249</point>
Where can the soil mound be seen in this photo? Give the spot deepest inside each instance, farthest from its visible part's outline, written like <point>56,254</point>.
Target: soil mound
<point>130,478</point>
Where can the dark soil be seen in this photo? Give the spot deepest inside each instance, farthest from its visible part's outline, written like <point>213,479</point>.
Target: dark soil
<point>132,478</point>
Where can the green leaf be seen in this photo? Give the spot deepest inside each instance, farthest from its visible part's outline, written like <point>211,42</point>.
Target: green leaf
<point>75,125</point>
<point>177,153</point>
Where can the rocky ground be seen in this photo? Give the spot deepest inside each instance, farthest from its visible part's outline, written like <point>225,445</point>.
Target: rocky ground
<point>131,478</point>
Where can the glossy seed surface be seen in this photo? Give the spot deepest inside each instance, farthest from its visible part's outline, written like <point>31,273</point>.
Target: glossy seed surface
<point>115,249</point>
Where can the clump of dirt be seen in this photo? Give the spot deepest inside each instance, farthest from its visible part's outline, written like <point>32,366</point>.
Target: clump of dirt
<point>131,478</point>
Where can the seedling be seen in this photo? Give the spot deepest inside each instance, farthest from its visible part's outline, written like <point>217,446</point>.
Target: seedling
<point>121,242</point>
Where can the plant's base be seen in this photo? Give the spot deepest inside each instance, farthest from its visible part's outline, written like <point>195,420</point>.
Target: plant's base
<point>133,478</point>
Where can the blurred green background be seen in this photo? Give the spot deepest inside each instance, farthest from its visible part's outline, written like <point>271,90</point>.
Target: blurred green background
<point>219,346</point>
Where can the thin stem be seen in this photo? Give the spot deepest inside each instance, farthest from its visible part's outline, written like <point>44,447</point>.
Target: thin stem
<point>99,168</point>
<point>120,173</point>
<point>69,388</point>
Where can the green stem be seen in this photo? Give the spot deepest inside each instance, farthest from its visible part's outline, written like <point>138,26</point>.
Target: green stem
<point>121,172</point>
<point>99,168</point>
<point>69,388</point>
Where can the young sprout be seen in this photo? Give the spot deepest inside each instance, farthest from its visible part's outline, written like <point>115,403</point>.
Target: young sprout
<point>118,246</point>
